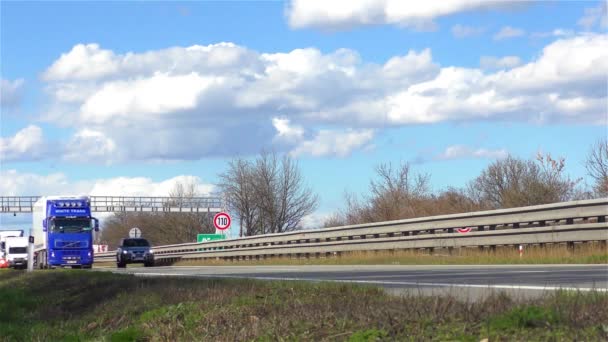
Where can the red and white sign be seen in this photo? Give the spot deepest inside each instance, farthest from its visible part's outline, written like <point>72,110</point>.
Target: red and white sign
<point>222,221</point>
<point>100,248</point>
<point>464,230</point>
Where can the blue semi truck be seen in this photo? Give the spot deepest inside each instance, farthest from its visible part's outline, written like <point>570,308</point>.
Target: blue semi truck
<point>63,232</point>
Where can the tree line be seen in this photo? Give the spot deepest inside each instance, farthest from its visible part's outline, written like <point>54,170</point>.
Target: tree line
<point>398,192</point>
<point>269,194</point>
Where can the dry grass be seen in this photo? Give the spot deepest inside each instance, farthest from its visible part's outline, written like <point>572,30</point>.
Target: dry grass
<point>84,305</point>
<point>588,253</point>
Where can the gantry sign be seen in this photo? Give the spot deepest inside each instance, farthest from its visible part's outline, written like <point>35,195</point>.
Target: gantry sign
<point>112,204</point>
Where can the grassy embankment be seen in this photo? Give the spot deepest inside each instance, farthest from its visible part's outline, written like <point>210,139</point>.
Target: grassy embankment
<point>589,253</point>
<point>84,305</point>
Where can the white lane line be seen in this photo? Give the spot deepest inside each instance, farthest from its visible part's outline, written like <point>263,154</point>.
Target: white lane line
<point>380,282</point>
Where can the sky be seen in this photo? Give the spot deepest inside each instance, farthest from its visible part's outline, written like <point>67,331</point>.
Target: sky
<point>127,98</point>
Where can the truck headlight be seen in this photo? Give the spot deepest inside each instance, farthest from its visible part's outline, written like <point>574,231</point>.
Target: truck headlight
<point>151,252</point>
<point>52,254</point>
<point>124,252</point>
<point>89,254</point>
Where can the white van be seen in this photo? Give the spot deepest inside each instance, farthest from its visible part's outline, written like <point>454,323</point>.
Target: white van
<point>15,251</point>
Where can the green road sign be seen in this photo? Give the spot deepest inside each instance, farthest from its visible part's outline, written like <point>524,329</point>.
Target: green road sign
<point>209,237</point>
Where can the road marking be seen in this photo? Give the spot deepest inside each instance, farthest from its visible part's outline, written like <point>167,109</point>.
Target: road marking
<point>380,282</point>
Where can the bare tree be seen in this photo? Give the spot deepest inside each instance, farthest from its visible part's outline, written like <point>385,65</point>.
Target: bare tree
<point>161,227</point>
<point>395,193</point>
<point>267,195</point>
<point>513,182</point>
<point>597,167</point>
<point>238,187</point>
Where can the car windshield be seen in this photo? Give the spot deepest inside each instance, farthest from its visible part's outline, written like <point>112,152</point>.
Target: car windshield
<point>135,243</point>
<point>70,225</point>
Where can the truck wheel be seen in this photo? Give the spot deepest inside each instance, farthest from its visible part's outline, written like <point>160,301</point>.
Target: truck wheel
<point>149,264</point>
<point>88,267</point>
<point>121,265</point>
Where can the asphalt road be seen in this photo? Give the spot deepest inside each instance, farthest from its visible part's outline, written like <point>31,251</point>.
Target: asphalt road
<point>468,281</point>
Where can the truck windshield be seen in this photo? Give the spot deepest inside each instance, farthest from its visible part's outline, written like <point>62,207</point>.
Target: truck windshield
<point>70,225</point>
<point>17,250</point>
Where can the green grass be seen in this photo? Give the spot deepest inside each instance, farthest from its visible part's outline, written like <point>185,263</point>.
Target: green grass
<point>590,253</point>
<point>64,305</point>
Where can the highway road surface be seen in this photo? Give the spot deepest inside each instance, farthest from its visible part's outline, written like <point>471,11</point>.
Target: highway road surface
<point>469,281</point>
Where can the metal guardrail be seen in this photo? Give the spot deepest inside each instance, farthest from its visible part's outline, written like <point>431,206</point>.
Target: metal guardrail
<point>100,204</point>
<point>552,223</point>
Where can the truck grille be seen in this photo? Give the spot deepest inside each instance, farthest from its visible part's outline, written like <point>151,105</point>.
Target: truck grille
<point>71,244</point>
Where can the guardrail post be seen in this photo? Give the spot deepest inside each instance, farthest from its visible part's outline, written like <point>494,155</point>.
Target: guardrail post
<point>480,228</point>
<point>570,246</point>
<point>515,225</point>
<point>570,221</point>
<point>493,227</point>
<point>601,219</point>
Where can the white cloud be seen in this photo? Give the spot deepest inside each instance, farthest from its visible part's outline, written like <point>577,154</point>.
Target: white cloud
<point>595,16</point>
<point>287,132</point>
<point>315,220</point>
<point>463,31</point>
<point>83,62</point>
<point>159,94</point>
<point>568,71</point>
<point>195,99</point>
<point>88,145</point>
<point>508,32</point>
<point>14,183</point>
<point>328,143</point>
<point>338,15</point>
<point>189,103</point>
<point>491,62</point>
<point>143,186</point>
<point>26,144</point>
<point>464,152</point>
<point>558,32</point>
<point>10,92</point>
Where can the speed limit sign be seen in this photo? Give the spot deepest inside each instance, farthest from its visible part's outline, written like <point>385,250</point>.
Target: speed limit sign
<point>221,221</point>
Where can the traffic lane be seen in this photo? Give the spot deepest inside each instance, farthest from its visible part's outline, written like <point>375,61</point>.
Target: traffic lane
<point>579,276</point>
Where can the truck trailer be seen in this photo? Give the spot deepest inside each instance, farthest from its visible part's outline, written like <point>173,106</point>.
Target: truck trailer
<point>63,231</point>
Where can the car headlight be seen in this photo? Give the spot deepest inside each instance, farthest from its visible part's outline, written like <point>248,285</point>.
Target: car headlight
<point>124,252</point>
<point>151,251</point>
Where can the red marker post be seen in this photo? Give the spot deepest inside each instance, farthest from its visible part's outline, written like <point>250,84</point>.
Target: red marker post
<point>521,251</point>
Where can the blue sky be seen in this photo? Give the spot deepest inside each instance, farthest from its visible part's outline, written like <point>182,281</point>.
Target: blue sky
<point>115,97</point>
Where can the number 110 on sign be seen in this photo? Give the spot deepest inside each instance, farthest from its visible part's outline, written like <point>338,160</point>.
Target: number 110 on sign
<point>221,221</point>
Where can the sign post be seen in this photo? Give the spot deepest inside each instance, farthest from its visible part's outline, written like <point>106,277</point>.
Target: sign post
<point>135,233</point>
<point>30,253</point>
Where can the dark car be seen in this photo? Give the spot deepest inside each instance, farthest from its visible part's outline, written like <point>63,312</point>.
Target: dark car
<point>132,251</point>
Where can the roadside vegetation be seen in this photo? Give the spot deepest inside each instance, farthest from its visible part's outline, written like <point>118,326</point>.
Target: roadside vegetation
<point>81,305</point>
<point>589,253</point>
<point>269,194</point>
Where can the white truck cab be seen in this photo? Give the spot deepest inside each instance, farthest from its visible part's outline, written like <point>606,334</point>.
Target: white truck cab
<point>15,251</point>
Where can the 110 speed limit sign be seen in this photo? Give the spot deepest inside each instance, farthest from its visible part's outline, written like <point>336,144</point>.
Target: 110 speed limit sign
<point>221,221</point>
